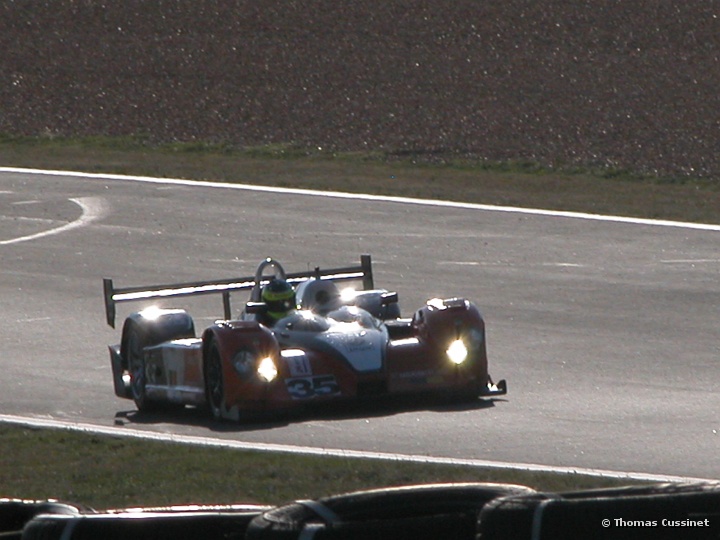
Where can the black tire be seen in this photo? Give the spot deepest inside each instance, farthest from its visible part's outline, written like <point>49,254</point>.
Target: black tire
<point>214,381</point>
<point>15,513</point>
<point>164,525</point>
<point>136,339</point>
<point>445,511</point>
<point>140,332</point>
<point>592,514</point>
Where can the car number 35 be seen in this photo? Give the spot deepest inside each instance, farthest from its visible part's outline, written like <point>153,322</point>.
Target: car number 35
<point>310,387</point>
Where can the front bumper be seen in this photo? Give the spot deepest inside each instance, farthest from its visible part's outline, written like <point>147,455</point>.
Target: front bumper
<point>493,389</point>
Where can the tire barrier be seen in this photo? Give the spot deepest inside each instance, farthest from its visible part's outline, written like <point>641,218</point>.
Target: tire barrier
<point>15,513</point>
<point>170,523</point>
<point>472,511</point>
<point>432,511</point>
<point>189,508</point>
<point>657,512</point>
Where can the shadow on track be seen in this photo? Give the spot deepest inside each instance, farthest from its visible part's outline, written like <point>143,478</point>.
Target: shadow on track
<point>350,410</point>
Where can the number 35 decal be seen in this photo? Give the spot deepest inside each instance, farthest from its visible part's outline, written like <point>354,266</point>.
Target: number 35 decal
<point>310,387</point>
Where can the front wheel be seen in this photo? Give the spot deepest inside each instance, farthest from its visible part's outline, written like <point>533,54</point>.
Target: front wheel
<point>214,383</point>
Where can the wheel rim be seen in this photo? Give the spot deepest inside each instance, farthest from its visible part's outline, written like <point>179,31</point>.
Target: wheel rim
<point>214,381</point>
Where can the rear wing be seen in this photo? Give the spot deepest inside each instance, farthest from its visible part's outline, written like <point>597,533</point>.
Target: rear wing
<point>115,295</point>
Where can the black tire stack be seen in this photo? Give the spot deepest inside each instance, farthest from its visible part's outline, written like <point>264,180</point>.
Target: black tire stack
<point>433,511</point>
<point>467,511</point>
<point>177,523</point>
<point>16,513</point>
<point>653,512</point>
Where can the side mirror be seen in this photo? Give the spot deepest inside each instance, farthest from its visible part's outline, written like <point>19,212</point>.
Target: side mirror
<point>388,298</point>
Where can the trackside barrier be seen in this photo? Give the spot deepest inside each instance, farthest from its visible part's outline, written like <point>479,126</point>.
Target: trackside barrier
<point>657,512</point>
<point>432,512</point>
<point>115,295</point>
<point>172,523</point>
<point>460,511</point>
<point>16,513</point>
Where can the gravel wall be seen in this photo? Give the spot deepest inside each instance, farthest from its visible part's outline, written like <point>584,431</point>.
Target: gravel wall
<point>622,83</point>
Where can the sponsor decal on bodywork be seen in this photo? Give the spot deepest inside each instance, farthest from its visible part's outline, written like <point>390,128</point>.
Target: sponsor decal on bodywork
<point>297,362</point>
<point>311,387</point>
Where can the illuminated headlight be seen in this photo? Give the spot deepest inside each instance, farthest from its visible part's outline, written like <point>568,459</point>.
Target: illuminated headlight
<point>457,352</point>
<point>266,369</point>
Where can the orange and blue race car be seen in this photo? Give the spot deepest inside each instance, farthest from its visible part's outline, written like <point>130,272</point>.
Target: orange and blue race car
<point>302,338</point>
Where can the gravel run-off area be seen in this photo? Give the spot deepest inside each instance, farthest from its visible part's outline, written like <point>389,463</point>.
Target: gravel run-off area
<point>596,83</point>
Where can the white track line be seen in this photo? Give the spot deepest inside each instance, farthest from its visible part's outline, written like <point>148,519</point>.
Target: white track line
<point>93,208</point>
<point>366,197</point>
<point>333,452</point>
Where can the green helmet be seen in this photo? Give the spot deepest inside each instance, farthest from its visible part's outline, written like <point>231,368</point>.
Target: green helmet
<point>279,297</point>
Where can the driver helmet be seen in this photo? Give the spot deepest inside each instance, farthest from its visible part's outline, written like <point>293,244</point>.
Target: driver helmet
<point>319,296</point>
<point>279,297</point>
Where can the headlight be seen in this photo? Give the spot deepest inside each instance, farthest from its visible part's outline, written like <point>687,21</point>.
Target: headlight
<point>266,369</point>
<point>243,363</point>
<point>457,352</point>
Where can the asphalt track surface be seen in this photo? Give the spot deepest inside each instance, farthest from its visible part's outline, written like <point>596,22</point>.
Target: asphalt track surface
<point>606,329</point>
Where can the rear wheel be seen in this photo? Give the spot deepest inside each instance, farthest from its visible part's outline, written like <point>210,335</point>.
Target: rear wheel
<point>214,383</point>
<point>136,341</point>
<point>140,331</point>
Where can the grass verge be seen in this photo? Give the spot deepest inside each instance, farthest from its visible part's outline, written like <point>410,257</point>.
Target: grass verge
<point>114,472</point>
<point>522,184</point>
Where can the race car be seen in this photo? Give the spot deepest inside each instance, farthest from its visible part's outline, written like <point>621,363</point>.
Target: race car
<point>338,338</point>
